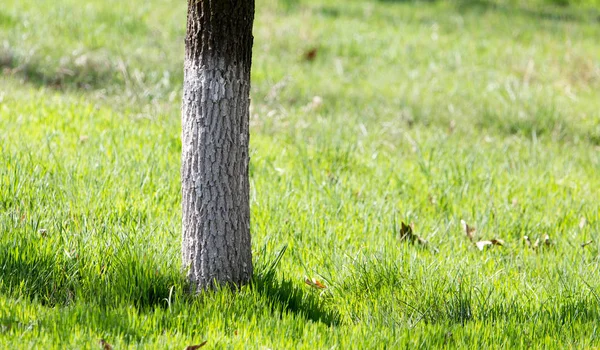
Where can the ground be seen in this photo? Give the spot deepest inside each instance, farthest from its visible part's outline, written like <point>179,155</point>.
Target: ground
<point>365,114</point>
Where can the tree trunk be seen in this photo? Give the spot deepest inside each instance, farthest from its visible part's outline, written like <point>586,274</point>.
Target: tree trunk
<point>214,173</point>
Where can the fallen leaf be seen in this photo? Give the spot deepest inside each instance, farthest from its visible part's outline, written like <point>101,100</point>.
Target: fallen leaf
<point>105,345</point>
<point>469,231</point>
<point>314,283</point>
<point>583,245</point>
<point>547,240</point>
<point>43,232</point>
<point>194,347</point>
<point>311,54</point>
<point>407,233</point>
<point>422,241</point>
<point>543,241</point>
<point>482,244</point>
<point>497,241</point>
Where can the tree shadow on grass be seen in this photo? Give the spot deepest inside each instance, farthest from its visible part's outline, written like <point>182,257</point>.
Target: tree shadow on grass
<point>54,276</point>
<point>58,276</point>
<point>537,12</point>
<point>286,295</point>
<point>551,12</point>
<point>82,72</point>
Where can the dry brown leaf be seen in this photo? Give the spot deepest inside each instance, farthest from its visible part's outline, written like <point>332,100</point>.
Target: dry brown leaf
<point>105,345</point>
<point>547,240</point>
<point>313,282</point>
<point>194,347</point>
<point>583,245</point>
<point>469,231</point>
<point>497,241</point>
<point>311,54</point>
<point>543,241</point>
<point>483,244</point>
<point>407,233</point>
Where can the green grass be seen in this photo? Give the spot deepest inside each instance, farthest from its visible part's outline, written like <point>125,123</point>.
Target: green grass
<point>430,113</point>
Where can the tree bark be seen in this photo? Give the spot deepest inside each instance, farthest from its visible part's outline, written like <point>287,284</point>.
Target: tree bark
<point>215,135</point>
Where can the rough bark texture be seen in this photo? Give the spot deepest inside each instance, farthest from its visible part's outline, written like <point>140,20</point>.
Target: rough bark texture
<point>216,211</point>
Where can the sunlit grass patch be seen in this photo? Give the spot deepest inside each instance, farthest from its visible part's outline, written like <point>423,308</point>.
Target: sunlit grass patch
<point>365,115</point>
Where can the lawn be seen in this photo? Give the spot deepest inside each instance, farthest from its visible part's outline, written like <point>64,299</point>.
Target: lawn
<point>365,115</point>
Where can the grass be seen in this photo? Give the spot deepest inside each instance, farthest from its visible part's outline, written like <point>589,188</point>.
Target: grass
<point>424,112</point>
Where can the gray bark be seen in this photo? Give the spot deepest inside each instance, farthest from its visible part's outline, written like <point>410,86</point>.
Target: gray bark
<point>215,135</point>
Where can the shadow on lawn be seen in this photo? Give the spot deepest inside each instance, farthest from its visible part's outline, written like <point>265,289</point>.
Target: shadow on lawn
<point>55,275</point>
<point>85,71</point>
<point>547,13</point>
<point>551,13</point>
<point>290,298</point>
